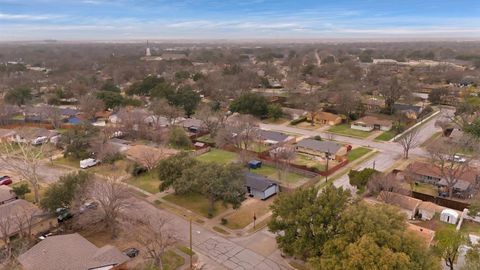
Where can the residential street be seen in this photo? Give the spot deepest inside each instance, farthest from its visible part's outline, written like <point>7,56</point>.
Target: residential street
<point>49,174</point>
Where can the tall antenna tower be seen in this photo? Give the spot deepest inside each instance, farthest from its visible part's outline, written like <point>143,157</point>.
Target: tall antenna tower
<point>147,51</point>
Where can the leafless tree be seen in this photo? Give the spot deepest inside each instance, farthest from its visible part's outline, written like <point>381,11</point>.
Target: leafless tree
<point>52,113</point>
<point>445,158</point>
<point>150,159</point>
<point>113,198</point>
<point>6,226</point>
<point>132,123</point>
<point>387,183</point>
<point>240,131</point>
<point>161,107</point>
<point>213,120</point>
<point>409,141</point>
<point>25,160</point>
<point>6,112</point>
<point>103,150</point>
<point>90,105</point>
<point>283,157</point>
<point>156,237</point>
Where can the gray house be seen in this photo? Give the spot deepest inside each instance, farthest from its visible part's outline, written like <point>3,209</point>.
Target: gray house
<point>270,137</point>
<point>259,186</point>
<point>319,148</point>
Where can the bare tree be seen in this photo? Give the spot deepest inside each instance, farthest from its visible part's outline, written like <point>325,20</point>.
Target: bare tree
<point>113,198</point>
<point>6,226</point>
<point>240,131</point>
<point>150,159</point>
<point>90,105</point>
<point>161,107</point>
<point>25,160</point>
<point>283,157</point>
<point>52,113</point>
<point>213,120</point>
<point>384,186</point>
<point>133,123</point>
<point>409,141</point>
<point>156,237</point>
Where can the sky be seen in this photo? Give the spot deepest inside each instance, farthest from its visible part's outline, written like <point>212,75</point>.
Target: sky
<point>241,19</point>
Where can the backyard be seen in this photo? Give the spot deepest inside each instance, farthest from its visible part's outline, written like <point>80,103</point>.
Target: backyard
<point>244,215</point>
<point>272,173</point>
<point>196,203</point>
<point>310,162</point>
<point>344,129</point>
<point>218,156</point>
<point>357,153</point>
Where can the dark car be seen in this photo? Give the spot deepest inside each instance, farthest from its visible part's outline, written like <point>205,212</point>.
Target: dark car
<point>5,180</point>
<point>131,252</point>
<point>63,214</point>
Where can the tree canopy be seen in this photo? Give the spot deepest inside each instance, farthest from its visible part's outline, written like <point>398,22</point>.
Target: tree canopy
<point>18,96</point>
<point>250,103</point>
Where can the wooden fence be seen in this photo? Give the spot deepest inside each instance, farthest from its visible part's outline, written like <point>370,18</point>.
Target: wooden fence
<point>445,202</point>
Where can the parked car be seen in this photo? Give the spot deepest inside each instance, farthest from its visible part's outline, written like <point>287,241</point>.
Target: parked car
<point>5,180</point>
<point>87,163</point>
<point>88,205</point>
<point>40,140</point>
<point>457,158</point>
<point>131,252</point>
<point>63,214</point>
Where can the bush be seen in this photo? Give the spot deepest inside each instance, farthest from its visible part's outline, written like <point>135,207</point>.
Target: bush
<point>224,221</point>
<point>111,158</point>
<point>21,190</point>
<point>138,169</point>
<point>317,138</point>
<point>298,121</point>
<point>178,138</point>
<point>275,111</point>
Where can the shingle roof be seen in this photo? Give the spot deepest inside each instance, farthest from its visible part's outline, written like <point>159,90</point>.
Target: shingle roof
<point>272,135</point>
<point>372,120</point>
<point>257,182</point>
<point>6,193</point>
<point>428,169</point>
<point>19,209</point>
<point>399,200</point>
<point>327,116</point>
<point>320,146</point>
<point>70,251</point>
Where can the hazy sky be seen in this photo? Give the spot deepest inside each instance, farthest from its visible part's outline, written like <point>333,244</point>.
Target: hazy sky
<point>241,19</point>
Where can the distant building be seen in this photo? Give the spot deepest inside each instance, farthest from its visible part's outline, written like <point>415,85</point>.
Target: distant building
<point>369,123</point>
<point>320,148</point>
<point>326,118</point>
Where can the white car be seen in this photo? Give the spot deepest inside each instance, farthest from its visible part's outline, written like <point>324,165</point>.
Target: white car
<point>87,163</point>
<point>40,140</point>
<point>457,158</point>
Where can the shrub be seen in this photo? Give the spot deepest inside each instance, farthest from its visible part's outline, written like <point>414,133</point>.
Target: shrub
<point>298,121</point>
<point>21,190</point>
<point>138,169</point>
<point>317,138</point>
<point>179,139</point>
<point>224,221</point>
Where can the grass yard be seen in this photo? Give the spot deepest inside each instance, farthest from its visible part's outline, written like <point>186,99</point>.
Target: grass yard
<point>357,153</point>
<point>218,156</point>
<point>117,169</point>
<point>147,181</point>
<point>426,189</point>
<point>196,203</point>
<point>244,215</point>
<point>305,160</point>
<point>206,139</point>
<point>344,129</point>
<point>69,161</point>
<point>472,227</point>
<point>172,260</point>
<point>386,136</point>
<point>258,147</point>
<point>271,172</point>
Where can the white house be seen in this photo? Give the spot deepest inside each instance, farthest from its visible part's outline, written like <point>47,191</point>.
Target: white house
<point>449,216</point>
<point>369,123</point>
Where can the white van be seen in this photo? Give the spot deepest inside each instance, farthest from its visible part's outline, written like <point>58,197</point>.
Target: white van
<point>89,162</point>
<point>40,140</point>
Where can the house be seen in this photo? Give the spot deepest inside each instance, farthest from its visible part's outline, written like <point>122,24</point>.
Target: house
<point>408,204</point>
<point>369,123</point>
<point>410,111</point>
<point>373,104</point>
<point>21,212</point>
<point>449,216</point>
<point>259,186</point>
<point>73,252</point>
<point>293,114</point>
<point>7,195</point>
<point>6,135</point>
<point>321,148</point>
<point>31,134</point>
<point>269,137</point>
<point>193,125</point>
<point>173,56</point>
<point>427,210</point>
<point>465,186</point>
<point>326,118</point>
<point>146,155</point>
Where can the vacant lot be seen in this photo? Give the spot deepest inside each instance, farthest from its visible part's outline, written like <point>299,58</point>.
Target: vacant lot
<point>196,203</point>
<point>357,153</point>
<point>244,215</point>
<point>218,156</point>
<point>344,129</point>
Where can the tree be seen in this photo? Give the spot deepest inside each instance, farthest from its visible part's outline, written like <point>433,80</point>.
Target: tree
<point>283,156</point>
<point>52,113</point>
<point>132,122</point>
<point>113,199</point>
<point>379,182</point>
<point>90,105</point>
<point>213,120</point>
<point>374,237</point>
<point>240,131</point>
<point>306,219</point>
<point>172,167</point>
<point>250,103</point>
<point>436,95</point>
<point>472,258</point>
<point>76,142</point>
<point>154,235</point>
<point>112,100</point>
<point>473,128</point>
<point>63,193</point>
<point>392,89</point>
<point>275,111</point>
<point>145,87</point>
<point>21,190</point>
<point>178,138</point>
<point>409,141</point>
<point>18,96</point>
<point>25,160</point>
<point>361,178</point>
<point>448,243</point>
<point>110,87</point>
<point>161,107</point>
<point>186,98</point>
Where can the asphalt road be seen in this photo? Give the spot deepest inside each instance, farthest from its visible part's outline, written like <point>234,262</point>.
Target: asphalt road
<point>48,173</point>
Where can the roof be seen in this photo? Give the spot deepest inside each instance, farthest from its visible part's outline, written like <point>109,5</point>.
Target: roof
<point>68,112</point>
<point>372,120</point>
<point>450,212</point>
<point>70,251</point>
<point>425,234</point>
<point>407,107</point>
<point>6,193</point>
<point>399,200</point>
<point>144,154</point>
<point>431,207</point>
<point>192,122</point>
<point>327,116</point>
<point>257,182</point>
<point>32,132</point>
<point>320,146</point>
<point>272,135</point>
<point>6,132</point>
<point>12,210</point>
<point>428,169</point>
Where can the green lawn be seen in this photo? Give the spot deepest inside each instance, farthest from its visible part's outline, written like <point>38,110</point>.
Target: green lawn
<point>258,147</point>
<point>344,129</point>
<point>386,136</point>
<point>206,139</point>
<point>196,202</point>
<point>218,156</point>
<point>357,153</point>
<point>271,172</point>
<point>244,215</point>
<point>147,181</point>
<point>426,189</point>
<point>305,160</point>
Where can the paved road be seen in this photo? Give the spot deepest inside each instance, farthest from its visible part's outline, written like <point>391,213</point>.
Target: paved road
<point>48,173</point>
<point>258,251</point>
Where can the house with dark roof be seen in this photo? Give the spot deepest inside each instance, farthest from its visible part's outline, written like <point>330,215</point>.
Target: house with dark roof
<point>269,137</point>
<point>193,125</point>
<point>73,252</point>
<point>321,148</point>
<point>369,123</point>
<point>410,111</point>
<point>6,194</point>
<point>31,134</point>
<point>259,186</point>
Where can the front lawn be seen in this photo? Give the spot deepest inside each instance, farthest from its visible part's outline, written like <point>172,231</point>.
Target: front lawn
<point>271,172</point>
<point>386,136</point>
<point>218,156</point>
<point>357,153</point>
<point>344,129</point>
<point>310,162</point>
<point>68,161</point>
<point>244,215</point>
<point>196,203</point>
<point>147,181</point>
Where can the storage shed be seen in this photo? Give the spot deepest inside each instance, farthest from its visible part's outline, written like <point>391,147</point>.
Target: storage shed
<point>259,186</point>
<point>449,216</point>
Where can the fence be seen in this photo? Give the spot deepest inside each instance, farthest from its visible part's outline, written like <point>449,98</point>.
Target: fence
<point>445,202</point>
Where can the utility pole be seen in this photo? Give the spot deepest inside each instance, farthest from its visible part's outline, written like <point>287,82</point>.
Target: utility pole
<point>191,248</point>
<point>327,156</point>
